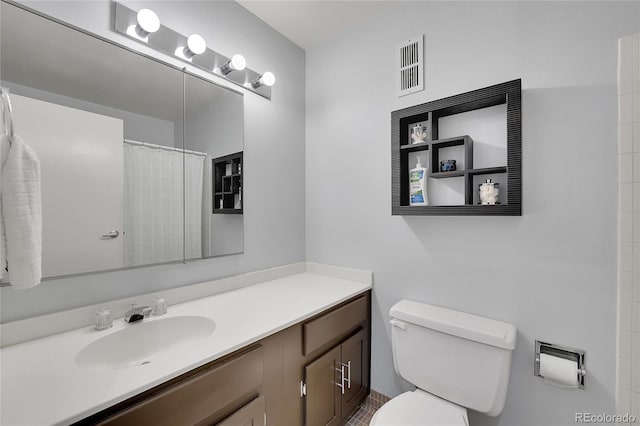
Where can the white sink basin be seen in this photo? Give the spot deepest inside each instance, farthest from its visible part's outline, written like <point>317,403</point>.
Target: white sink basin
<point>138,343</point>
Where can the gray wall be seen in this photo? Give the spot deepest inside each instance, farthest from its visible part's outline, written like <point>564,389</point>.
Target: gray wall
<point>216,129</point>
<point>137,127</point>
<point>551,272</point>
<point>274,130</point>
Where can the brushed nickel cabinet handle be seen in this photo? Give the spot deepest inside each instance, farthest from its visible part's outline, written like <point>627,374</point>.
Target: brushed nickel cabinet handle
<point>348,379</point>
<point>341,384</point>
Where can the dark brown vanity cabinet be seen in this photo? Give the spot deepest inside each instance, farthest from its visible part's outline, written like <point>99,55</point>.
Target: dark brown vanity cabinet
<point>336,372</point>
<point>264,383</point>
<point>322,401</point>
<point>336,383</point>
<point>205,396</point>
<point>355,357</point>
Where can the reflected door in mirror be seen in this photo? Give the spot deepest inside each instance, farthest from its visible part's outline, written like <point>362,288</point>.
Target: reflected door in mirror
<point>81,165</point>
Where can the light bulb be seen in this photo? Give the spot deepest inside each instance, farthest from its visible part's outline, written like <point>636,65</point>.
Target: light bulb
<point>195,46</point>
<point>148,22</point>
<point>237,63</point>
<point>266,79</point>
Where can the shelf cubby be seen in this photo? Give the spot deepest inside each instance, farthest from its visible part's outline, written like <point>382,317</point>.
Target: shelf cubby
<point>509,175</point>
<point>464,142</point>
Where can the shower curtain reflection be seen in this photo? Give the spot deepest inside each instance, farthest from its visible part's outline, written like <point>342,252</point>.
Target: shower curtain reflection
<point>154,229</point>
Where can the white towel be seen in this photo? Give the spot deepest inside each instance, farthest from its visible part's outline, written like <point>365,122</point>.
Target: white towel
<point>22,214</point>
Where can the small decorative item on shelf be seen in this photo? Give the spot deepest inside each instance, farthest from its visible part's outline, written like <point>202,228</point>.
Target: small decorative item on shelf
<point>448,165</point>
<point>228,169</point>
<point>489,191</point>
<point>418,133</point>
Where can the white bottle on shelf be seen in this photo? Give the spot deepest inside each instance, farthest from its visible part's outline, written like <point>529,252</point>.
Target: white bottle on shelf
<point>418,185</point>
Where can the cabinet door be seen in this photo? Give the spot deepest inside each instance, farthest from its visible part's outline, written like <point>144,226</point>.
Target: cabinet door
<point>322,403</point>
<point>355,359</point>
<point>294,363</point>
<point>251,414</point>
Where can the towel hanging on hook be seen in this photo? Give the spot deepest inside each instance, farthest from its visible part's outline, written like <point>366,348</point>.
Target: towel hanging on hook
<point>20,205</point>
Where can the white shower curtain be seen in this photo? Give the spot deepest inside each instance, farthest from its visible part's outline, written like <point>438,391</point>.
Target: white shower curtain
<point>154,218</point>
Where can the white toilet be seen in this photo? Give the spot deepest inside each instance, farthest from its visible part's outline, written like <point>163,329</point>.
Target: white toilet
<point>456,360</point>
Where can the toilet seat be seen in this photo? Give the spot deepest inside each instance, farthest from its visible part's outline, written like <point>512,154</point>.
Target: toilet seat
<point>419,408</point>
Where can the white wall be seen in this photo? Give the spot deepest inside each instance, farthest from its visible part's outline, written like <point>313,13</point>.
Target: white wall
<point>551,272</point>
<point>274,131</point>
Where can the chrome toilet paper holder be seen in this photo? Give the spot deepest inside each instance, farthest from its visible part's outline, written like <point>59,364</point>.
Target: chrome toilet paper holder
<point>560,351</point>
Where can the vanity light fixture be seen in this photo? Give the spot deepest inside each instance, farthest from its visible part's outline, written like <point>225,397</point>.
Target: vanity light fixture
<point>147,23</point>
<point>139,25</point>
<point>266,79</point>
<point>195,46</point>
<point>237,63</point>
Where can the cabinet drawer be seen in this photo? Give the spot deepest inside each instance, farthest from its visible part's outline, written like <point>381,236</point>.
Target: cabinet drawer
<point>333,325</point>
<point>251,414</point>
<point>199,397</point>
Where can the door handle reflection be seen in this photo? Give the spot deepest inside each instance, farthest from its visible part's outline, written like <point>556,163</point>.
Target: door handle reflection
<point>110,235</point>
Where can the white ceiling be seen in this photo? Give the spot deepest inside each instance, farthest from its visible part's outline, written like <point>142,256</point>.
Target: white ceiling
<point>309,23</point>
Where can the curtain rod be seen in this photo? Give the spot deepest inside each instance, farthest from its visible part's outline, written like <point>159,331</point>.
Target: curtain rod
<point>167,148</point>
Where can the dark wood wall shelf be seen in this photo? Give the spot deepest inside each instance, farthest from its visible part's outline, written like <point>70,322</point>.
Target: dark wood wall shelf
<point>227,184</point>
<point>508,93</point>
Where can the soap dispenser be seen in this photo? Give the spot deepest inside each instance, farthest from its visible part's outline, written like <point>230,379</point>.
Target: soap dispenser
<point>418,185</point>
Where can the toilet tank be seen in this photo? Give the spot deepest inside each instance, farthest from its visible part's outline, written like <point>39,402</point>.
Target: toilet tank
<point>463,358</point>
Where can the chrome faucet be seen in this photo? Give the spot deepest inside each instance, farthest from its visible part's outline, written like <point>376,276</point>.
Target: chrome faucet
<point>137,313</point>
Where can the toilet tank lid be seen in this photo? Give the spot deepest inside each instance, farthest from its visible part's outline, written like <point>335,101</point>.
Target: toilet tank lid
<point>456,323</point>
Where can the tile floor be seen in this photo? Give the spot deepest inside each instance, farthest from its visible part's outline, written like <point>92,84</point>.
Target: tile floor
<point>363,416</point>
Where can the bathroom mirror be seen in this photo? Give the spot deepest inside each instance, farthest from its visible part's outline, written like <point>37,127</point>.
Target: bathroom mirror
<point>126,145</point>
<point>213,131</point>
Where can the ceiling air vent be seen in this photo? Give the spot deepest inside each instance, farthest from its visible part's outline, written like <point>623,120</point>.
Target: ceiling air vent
<point>410,65</point>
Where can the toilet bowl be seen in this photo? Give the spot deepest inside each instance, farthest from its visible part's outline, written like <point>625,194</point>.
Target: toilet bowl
<point>455,359</point>
<point>419,408</point>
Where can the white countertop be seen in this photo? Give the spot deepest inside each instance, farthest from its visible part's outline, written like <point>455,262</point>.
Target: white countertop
<point>42,385</point>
